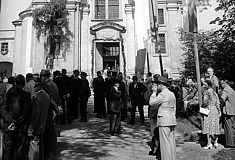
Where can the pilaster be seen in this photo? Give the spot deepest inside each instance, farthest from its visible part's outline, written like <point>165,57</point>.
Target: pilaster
<point>174,11</point>
<point>130,38</point>
<point>26,42</point>
<point>85,51</point>
<point>17,46</point>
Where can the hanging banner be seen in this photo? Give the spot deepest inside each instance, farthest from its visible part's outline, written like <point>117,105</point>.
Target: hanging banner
<point>140,62</point>
<point>153,18</point>
<point>190,15</point>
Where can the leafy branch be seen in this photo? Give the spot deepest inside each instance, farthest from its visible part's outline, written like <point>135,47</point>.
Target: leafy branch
<point>52,21</point>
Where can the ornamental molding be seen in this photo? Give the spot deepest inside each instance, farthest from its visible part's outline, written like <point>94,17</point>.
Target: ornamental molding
<point>105,25</point>
<point>4,52</point>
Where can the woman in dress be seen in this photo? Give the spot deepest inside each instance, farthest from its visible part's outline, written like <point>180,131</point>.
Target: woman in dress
<point>211,121</point>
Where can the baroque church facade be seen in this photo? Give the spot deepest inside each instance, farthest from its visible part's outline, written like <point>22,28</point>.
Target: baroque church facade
<point>107,33</point>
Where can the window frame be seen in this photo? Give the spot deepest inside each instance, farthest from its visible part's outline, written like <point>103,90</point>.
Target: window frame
<point>164,16</point>
<point>107,12</point>
<point>4,49</point>
<point>165,41</point>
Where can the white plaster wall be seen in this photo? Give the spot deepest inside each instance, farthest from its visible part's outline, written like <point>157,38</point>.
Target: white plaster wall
<point>7,36</point>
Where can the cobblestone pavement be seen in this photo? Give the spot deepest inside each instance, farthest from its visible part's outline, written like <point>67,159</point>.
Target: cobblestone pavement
<point>92,141</point>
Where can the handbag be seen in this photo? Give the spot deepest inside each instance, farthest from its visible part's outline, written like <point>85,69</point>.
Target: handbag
<point>204,111</point>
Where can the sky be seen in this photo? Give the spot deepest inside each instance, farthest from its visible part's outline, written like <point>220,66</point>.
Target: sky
<point>208,15</point>
<point>11,8</point>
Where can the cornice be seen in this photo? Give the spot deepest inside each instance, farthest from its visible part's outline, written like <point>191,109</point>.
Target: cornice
<point>107,24</point>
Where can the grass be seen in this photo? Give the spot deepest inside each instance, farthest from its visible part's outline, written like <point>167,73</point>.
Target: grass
<point>187,129</point>
<point>225,154</point>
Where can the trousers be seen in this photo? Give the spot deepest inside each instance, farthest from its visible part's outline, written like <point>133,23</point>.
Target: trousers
<point>115,122</point>
<point>229,130</point>
<point>167,142</point>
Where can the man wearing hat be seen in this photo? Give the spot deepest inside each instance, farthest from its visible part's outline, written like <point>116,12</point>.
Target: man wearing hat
<point>165,103</point>
<point>115,108</point>
<point>136,91</point>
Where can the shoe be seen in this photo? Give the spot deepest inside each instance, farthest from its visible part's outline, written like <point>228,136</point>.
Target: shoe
<point>208,146</point>
<point>216,145</point>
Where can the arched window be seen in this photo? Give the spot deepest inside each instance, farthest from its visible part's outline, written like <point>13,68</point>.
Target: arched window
<point>107,9</point>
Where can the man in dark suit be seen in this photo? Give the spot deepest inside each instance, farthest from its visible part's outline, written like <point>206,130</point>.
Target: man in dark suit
<point>136,91</point>
<point>115,109</point>
<point>65,95</point>
<point>85,93</point>
<point>76,86</point>
<point>16,115</point>
<point>99,96</point>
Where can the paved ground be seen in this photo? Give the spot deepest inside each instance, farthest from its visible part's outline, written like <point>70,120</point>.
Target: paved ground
<point>91,141</point>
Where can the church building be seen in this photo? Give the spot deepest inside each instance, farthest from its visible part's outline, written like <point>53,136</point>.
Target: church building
<point>106,33</point>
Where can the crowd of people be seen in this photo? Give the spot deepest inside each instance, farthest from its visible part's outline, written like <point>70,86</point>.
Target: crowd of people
<point>31,108</point>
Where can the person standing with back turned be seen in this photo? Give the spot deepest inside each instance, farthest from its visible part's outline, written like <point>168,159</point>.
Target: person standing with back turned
<point>165,102</point>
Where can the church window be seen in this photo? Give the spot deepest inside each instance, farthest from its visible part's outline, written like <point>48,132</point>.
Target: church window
<point>107,9</point>
<point>4,48</point>
<point>113,9</point>
<point>111,49</point>
<point>162,42</point>
<point>160,16</point>
<point>100,9</point>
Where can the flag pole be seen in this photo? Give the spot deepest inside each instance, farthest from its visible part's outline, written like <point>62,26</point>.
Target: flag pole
<point>197,69</point>
<point>161,65</point>
<point>156,36</point>
<point>148,62</point>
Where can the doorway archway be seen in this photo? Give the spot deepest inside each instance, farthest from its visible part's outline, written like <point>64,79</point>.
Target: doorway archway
<point>6,69</point>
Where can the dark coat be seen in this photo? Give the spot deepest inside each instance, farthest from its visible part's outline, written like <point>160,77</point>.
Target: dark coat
<point>76,86</point>
<point>115,100</point>
<point>52,90</point>
<point>17,108</point>
<point>66,85</point>
<point>137,93</point>
<point>108,85</point>
<point>85,89</point>
<point>41,102</point>
<point>99,86</point>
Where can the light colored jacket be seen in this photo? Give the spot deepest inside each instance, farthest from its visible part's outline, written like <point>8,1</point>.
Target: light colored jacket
<point>165,102</point>
<point>29,87</point>
<point>228,96</point>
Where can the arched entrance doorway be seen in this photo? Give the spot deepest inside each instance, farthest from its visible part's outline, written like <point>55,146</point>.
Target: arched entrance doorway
<point>6,69</point>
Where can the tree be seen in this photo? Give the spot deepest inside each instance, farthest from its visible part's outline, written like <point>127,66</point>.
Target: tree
<point>213,52</point>
<point>227,22</point>
<point>52,22</point>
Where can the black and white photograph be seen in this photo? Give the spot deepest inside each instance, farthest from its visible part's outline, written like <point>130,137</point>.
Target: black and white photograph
<point>117,79</point>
